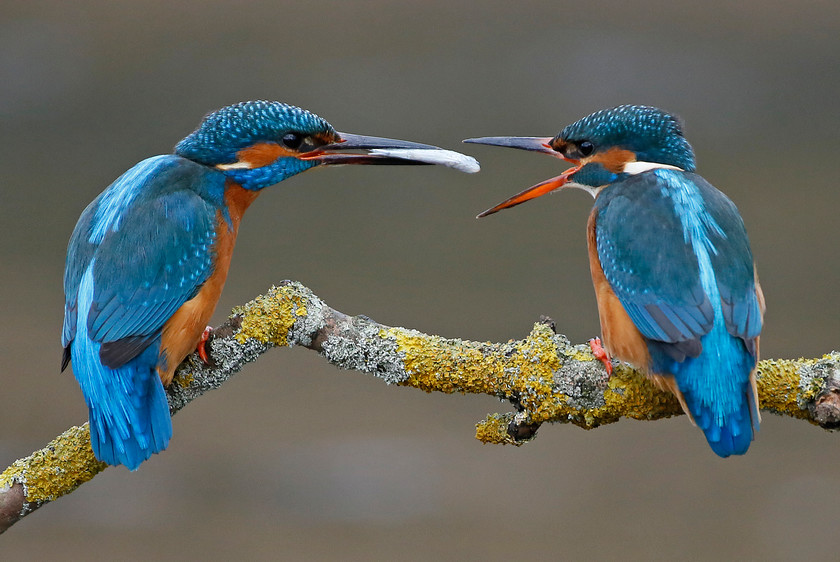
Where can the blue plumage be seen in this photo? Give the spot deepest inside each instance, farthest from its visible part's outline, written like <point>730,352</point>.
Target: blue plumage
<point>671,262</point>
<point>650,133</point>
<point>672,291</point>
<point>267,175</point>
<point>654,281</point>
<point>139,252</point>
<point>148,259</point>
<point>129,414</point>
<point>230,129</point>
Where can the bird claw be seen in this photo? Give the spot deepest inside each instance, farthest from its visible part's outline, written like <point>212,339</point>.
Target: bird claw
<point>201,348</point>
<point>601,354</point>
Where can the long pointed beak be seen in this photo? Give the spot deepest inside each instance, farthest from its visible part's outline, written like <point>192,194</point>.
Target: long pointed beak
<point>533,144</point>
<point>360,149</point>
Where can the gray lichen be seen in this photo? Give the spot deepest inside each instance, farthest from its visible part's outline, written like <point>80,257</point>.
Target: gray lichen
<point>193,378</point>
<point>366,349</point>
<point>583,382</point>
<point>307,326</point>
<point>813,377</point>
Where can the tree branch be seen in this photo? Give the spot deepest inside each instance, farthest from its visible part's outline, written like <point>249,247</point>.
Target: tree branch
<point>544,376</point>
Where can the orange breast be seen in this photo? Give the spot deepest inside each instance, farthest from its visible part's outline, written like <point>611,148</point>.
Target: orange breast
<point>184,328</point>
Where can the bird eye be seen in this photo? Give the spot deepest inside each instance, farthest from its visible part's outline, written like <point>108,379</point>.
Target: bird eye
<point>292,140</point>
<point>585,148</point>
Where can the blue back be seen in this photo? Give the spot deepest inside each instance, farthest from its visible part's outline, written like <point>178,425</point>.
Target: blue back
<point>675,252</point>
<point>139,251</point>
<point>146,246</point>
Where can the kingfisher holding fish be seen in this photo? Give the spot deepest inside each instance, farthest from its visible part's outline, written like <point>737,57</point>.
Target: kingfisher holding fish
<point>148,258</point>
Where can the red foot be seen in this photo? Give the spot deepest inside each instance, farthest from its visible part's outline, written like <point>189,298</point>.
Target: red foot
<point>601,354</point>
<point>200,348</point>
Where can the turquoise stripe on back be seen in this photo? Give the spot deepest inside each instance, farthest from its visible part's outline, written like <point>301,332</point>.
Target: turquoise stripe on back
<point>115,200</point>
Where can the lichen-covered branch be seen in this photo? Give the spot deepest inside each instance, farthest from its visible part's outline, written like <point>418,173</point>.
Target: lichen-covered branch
<point>544,377</point>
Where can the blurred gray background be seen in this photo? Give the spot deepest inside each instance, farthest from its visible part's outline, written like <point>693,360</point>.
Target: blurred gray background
<point>296,460</point>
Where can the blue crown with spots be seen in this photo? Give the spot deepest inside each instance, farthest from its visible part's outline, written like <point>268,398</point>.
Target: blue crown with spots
<point>230,129</point>
<point>652,134</point>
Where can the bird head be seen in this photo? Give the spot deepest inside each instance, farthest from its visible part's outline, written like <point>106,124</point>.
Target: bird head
<point>604,147</point>
<point>260,143</point>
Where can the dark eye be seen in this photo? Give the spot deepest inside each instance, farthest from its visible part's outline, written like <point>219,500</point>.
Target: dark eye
<point>292,140</point>
<point>585,148</point>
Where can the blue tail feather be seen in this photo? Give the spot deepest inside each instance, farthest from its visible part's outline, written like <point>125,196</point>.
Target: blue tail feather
<point>717,389</point>
<point>129,413</point>
<point>731,435</point>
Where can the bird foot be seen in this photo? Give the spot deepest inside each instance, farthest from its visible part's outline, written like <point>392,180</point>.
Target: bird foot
<point>201,348</point>
<point>601,354</point>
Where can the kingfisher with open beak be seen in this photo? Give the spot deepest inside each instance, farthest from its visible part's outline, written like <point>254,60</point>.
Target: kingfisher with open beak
<point>677,291</point>
<point>148,259</point>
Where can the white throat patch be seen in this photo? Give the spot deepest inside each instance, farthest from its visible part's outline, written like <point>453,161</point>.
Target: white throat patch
<point>633,168</point>
<point>238,165</point>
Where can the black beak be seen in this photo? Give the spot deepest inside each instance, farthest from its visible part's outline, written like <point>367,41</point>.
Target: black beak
<point>534,144</point>
<point>360,149</point>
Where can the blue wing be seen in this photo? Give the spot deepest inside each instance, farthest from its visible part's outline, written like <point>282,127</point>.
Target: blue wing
<point>646,252</point>
<point>734,266</point>
<point>675,252</point>
<point>149,237</point>
<point>648,263</point>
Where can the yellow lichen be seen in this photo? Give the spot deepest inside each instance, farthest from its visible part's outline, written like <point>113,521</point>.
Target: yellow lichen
<point>436,364</point>
<point>493,430</point>
<point>269,318</point>
<point>778,387</point>
<point>535,363</point>
<point>57,469</point>
<point>525,370</point>
<point>632,394</point>
<point>182,379</point>
<point>582,353</point>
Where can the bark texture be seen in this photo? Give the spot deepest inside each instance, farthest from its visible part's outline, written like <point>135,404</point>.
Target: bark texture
<point>543,376</point>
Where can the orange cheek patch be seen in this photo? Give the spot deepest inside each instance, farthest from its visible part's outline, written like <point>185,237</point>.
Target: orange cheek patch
<point>262,154</point>
<point>614,159</point>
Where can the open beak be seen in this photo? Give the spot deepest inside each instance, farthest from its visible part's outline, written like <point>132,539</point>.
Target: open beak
<point>359,149</point>
<point>534,144</point>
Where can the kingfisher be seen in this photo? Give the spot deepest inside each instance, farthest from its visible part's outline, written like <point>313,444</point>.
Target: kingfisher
<point>148,258</point>
<point>676,286</point>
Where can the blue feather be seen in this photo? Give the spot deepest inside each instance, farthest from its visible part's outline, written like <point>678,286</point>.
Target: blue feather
<point>144,247</point>
<point>232,128</point>
<point>716,384</point>
<point>652,134</point>
<point>657,282</point>
<point>112,203</point>
<point>675,252</point>
<point>154,263</point>
<point>129,413</point>
<point>139,252</point>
